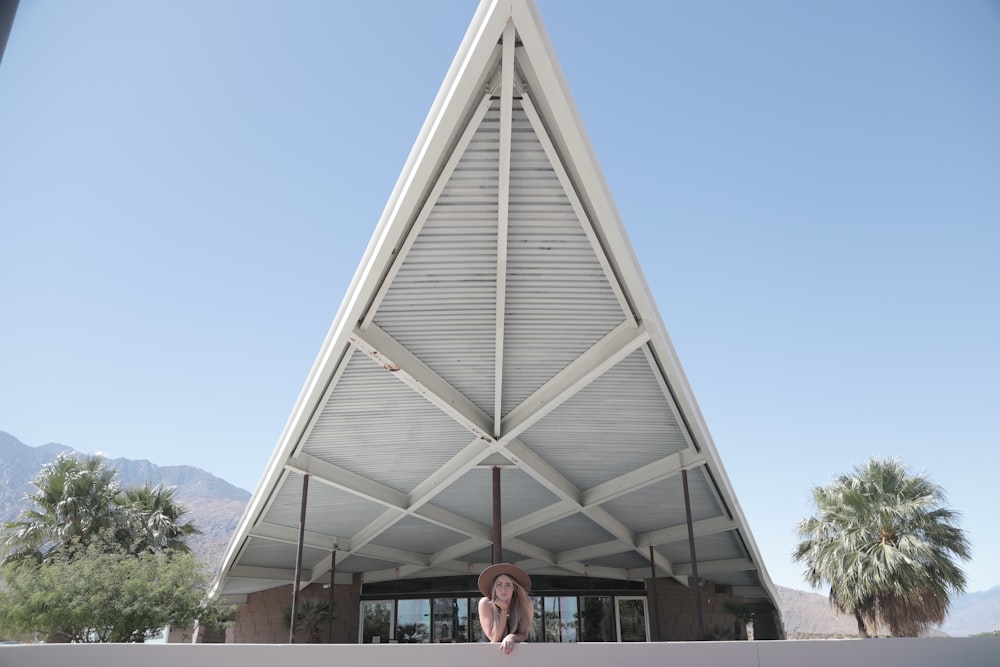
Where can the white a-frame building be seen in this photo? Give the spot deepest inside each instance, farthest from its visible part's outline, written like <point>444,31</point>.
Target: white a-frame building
<point>498,336</point>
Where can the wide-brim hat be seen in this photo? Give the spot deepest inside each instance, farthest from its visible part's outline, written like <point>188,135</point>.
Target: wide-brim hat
<point>489,575</point>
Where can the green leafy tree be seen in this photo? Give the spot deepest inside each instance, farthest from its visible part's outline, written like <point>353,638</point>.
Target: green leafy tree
<point>886,546</point>
<point>104,593</point>
<point>91,561</point>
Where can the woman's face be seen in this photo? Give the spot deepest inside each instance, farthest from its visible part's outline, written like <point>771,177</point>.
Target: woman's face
<point>503,588</point>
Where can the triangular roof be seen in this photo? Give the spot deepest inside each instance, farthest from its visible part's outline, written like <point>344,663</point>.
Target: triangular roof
<point>499,314</point>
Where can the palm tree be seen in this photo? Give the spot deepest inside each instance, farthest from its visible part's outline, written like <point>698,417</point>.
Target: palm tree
<point>153,517</point>
<point>313,615</point>
<point>886,546</point>
<point>743,613</point>
<point>73,501</point>
<point>78,502</point>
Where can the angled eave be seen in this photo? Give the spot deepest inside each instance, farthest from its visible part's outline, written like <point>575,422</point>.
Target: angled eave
<point>499,314</point>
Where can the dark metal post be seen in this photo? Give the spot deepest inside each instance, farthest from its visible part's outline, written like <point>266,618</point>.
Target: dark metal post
<point>656,600</point>
<point>298,559</point>
<point>694,559</point>
<point>497,547</point>
<point>333,573</point>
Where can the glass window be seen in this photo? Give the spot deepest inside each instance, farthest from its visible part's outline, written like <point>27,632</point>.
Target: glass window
<point>560,619</point>
<point>475,629</point>
<point>376,617</point>
<point>451,620</point>
<point>597,619</point>
<point>413,619</point>
<point>539,634</point>
<point>632,620</point>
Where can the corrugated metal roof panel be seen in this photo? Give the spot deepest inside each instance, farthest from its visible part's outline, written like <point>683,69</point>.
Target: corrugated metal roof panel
<point>627,560</point>
<point>355,563</point>
<point>472,495</point>
<point>662,504</point>
<point>718,546</point>
<point>275,554</point>
<point>331,511</point>
<point>377,427</point>
<point>559,302</point>
<point>569,533</point>
<point>450,276</point>
<point>621,421</point>
<point>413,534</point>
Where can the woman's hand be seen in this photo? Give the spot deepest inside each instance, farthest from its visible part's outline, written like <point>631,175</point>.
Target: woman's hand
<point>507,645</point>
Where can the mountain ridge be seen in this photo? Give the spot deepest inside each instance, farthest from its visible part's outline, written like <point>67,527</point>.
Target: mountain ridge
<point>214,505</point>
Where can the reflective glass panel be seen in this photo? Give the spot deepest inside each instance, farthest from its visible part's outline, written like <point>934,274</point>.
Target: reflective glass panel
<point>451,620</point>
<point>413,621</point>
<point>597,619</point>
<point>632,619</point>
<point>375,621</point>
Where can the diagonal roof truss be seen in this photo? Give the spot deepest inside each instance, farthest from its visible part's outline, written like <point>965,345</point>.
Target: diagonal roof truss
<point>499,316</point>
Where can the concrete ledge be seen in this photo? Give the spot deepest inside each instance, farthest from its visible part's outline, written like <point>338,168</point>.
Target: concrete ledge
<point>925,652</point>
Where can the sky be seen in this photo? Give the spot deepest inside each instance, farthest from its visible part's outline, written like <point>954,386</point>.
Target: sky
<point>812,190</point>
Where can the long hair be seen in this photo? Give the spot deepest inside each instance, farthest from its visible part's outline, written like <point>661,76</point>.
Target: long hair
<point>520,614</point>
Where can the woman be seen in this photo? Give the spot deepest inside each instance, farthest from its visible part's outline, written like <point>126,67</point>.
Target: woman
<point>506,613</point>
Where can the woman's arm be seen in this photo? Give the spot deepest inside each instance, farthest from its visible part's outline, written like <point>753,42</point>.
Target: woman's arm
<point>493,631</point>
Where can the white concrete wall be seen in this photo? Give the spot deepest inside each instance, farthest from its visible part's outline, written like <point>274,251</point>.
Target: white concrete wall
<point>929,652</point>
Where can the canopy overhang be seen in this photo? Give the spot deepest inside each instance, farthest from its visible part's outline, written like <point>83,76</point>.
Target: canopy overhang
<point>499,315</point>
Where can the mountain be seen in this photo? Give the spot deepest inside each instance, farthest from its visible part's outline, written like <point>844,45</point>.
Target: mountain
<point>214,505</point>
<point>974,613</point>
<point>810,616</point>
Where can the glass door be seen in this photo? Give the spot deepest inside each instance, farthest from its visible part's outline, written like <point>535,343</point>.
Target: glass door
<point>631,619</point>
<point>376,621</point>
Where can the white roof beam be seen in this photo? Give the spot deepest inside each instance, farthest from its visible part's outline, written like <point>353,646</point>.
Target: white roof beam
<point>459,550</point>
<point>602,571</point>
<point>469,457</point>
<point>530,550</point>
<point>583,370</point>
<point>648,474</point>
<point>679,533</point>
<point>503,210</point>
<point>579,554</point>
<point>375,528</point>
<point>710,567</point>
<point>348,481</point>
<point>276,533</point>
<point>603,519</point>
<point>455,522</point>
<point>270,573</point>
<point>537,468</point>
<point>539,518</point>
<point>393,555</point>
<point>384,350</point>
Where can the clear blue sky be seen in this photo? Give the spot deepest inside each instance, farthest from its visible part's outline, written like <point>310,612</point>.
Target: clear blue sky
<point>813,190</point>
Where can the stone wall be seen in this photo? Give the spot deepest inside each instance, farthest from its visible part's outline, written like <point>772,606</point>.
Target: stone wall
<point>262,619</point>
<point>678,613</point>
